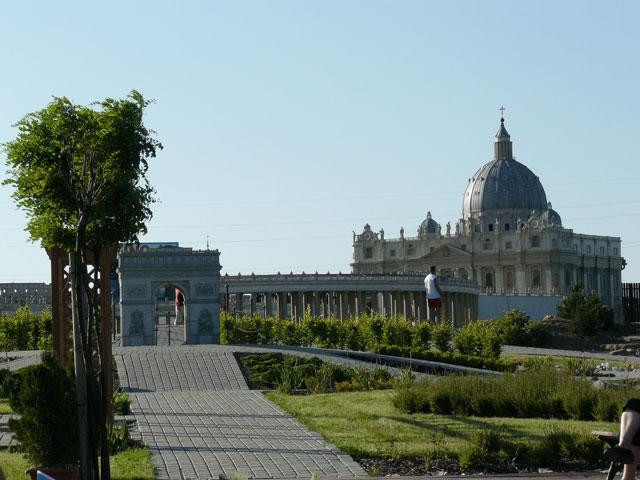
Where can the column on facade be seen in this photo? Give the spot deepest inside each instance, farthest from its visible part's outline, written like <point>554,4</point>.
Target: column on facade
<point>419,307</point>
<point>375,304</point>
<point>521,283</point>
<point>268,298</point>
<point>548,280</point>
<point>239,302</point>
<point>344,306</point>
<point>282,305</point>
<point>315,303</point>
<point>386,304</point>
<point>351,300</point>
<point>405,305</point>
<point>297,298</point>
<point>252,304</point>
<point>360,303</point>
<point>585,285</point>
<point>498,280</point>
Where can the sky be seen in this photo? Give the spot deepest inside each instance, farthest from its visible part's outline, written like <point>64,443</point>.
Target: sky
<point>287,125</point>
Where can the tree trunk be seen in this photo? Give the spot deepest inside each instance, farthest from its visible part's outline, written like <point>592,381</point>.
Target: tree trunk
<point>79,358</point>
<point>98,317</point>
<point>80,354</point>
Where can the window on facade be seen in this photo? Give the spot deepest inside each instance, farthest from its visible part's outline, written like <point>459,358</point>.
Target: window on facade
<point>554,242</point>
<point>486,246</point>
<point>431,249</point>
<point>567,278</point>
<point>508,245</point>
<point>575,247</point>
<point>588,248</point>
<point>506,227</point>
<point>488,280</point>
<point>476,228</point>
<point>411,250</point>
<point>556,280</point>
<point>463,246</point>
<point>615,250</point>
<point>392,253</point>
<point>601,250</point>
<point>509,281</point>
<point>368,252</point>
<point>491,227</point>
<point>535,241</point>
<point>535,279</point>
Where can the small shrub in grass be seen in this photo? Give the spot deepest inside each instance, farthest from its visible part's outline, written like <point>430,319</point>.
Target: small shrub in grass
<point>561,448</point>
<point>442,334</point>
<point>411,400</point>
<point>119,439</point>
<point>485,448</point>
<point>421,335</point>
<point>478,338</point>
<point>322,381</point>
<point>121,403</point>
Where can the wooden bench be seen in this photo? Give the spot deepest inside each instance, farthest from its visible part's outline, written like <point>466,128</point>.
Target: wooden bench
<point>611,439</point>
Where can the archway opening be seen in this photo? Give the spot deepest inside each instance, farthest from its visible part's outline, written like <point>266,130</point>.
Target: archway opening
<point>170,315</point>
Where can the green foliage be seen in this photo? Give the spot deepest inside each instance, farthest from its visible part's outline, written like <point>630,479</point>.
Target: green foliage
<point>47,426</point>
<point>8,382</point>
<point>485,448</point>
<point>286,373</point>
<point>442,334</point>
<point>70,162</point>
<point>537,393</point>
<point>478,338</point>
<point>496,364</point>
<point>421,335</point>
<point>26,330</point>
<point>120,439</point>
<point>121,403</point>
<point>586,313</point>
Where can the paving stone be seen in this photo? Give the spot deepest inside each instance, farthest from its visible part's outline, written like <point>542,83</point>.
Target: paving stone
<point>196,414</point>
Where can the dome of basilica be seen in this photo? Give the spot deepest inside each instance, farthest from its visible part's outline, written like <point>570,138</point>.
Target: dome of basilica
<point>503,184</point>
<point>551,217</point>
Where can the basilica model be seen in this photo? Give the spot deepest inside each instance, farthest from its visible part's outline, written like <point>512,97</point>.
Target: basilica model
<point>509,240</point>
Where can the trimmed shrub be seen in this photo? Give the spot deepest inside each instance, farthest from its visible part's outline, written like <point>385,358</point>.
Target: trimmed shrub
<point>442,334</point>
<point>421,335</point>
<point>478,338</point>
<point>47,426</point>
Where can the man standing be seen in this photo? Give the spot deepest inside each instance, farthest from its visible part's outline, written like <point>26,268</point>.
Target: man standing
<point>434,295</point>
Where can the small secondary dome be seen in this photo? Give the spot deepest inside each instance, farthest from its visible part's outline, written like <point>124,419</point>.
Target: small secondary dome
<point>428,226</point>
<point>503,184</point>
<point>551,217</point>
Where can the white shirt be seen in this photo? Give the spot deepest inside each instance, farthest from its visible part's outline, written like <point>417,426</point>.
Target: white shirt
<point>430,285</point>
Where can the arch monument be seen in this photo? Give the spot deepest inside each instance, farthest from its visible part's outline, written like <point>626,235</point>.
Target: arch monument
<point>196,273</point>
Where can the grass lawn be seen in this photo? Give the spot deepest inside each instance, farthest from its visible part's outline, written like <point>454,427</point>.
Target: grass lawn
<point>4,406</point>
<point>366,424</point>
<point>559,359</point>
<point>128,465</point>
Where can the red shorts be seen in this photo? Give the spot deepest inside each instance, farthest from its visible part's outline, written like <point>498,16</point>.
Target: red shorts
<point>434,302</point>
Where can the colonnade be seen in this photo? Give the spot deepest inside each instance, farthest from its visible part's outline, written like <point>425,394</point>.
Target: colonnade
<point>458,307</point>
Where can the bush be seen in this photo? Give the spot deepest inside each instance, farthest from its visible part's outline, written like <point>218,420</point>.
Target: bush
<point>47,426</point>
<point>442,334</point>
<point>6,382</point>
<point>421,335</point>
<point>478,338</point>
<point>586,314</point>
<point>25,330</point>
<point>540,393</point>
<point>121,403</point>
<point>486,447</point>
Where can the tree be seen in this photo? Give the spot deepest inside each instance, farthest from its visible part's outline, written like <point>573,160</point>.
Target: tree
<point>80,174</point>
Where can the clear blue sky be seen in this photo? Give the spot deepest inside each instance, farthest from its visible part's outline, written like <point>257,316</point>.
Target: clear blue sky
<point>289,124</point>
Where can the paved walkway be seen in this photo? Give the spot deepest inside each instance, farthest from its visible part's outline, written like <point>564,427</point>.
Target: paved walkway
<point>195,413</point>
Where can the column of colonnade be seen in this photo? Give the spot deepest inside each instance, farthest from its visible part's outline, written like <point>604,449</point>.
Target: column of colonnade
<point>458,307</point>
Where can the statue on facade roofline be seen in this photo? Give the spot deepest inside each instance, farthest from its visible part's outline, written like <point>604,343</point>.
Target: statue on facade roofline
<point>448,229</point>
<point>382,234</point>
<point>401,232</point>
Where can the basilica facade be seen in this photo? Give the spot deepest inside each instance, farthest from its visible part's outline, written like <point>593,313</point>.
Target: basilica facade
<point>509,240</point>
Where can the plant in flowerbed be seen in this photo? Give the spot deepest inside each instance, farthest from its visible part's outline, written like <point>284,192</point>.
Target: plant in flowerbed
<point>288,373</point>
<point>538,393</point>
<point>477,344</point>
<point>44,399</point>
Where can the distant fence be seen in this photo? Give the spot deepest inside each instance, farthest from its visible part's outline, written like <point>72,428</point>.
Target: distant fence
<point>631,302</point>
